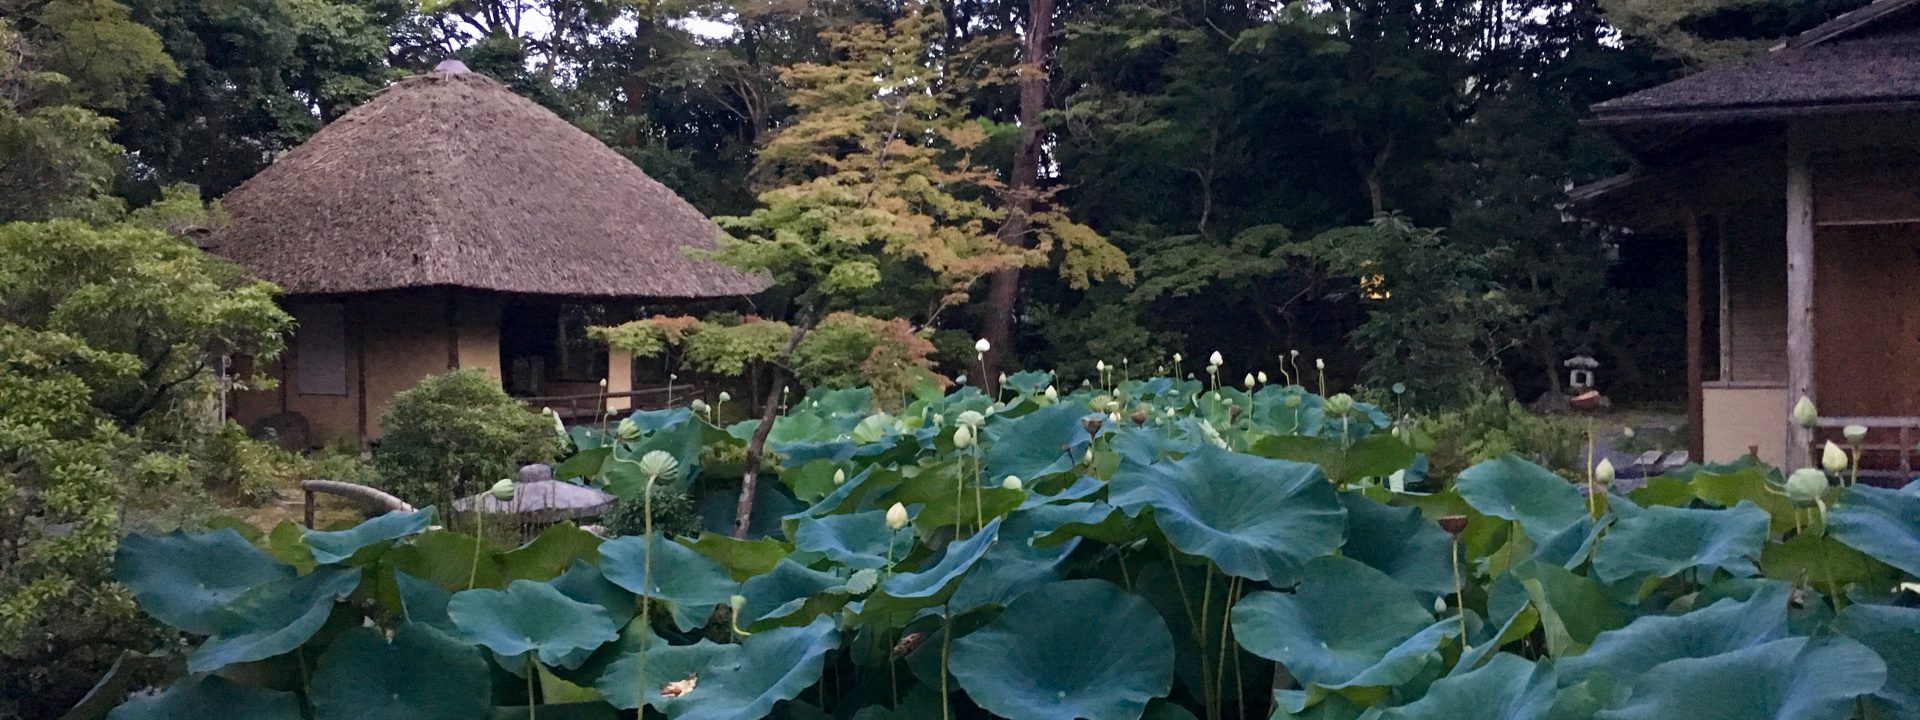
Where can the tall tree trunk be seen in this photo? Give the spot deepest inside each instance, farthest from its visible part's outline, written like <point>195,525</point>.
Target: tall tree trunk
<point>1022,188</point>
<point>757,446</point>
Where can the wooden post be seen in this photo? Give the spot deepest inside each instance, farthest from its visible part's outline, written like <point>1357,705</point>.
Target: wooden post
<point>1800,259</point>
<point>1696,344</point>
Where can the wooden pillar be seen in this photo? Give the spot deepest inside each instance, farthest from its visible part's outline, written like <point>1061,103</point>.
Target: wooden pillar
<point>453,330</point>
<point>1800,274</point>
<point>1696,343</point>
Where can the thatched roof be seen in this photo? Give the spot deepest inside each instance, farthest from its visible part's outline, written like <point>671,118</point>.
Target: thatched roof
<point>1868,59</point>
<point>449,179</point>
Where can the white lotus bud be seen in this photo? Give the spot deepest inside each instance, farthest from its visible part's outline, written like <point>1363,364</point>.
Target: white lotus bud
<point>1011,483</point>
<point>1806,485</point>
<point>1176,357</point>
<point>627,430</point>
<point>503,490</point>
<point>982,346</point>
<point>1215,359</point>
<point>963,437</point>
<point>1086,458</point>
<point>559,426</point>
<point>1439,604</point>
<point>839,477</point>
<point>1262,375</point>
<point>1100,365</point>
<point>1248,381</point>
<point>939,419</point>
<point>603,383</point>
<point>1833,458</point>
<point>896,516</point>
<point>1051,394</point>
<point>1319,364</point>
<point>1604,472</point>
<point>1805,413</point>
<point>1626,432</point>
<point>1854,433</point>
<point>1003,378</point>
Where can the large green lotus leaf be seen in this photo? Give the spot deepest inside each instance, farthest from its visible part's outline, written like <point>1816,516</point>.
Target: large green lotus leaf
<point>664,664</point>
<point>1508,687</point>
<point>1572,609</point>
<point>274,618</point>
<point>1014,566</point>
<point>1884,524</point>
<point>1095,521</point>
<point>1665,541</point>
<point>857,540</point>
<point>1511,488</point>
<point>548,555</point>
<point>184,580</point>
<point>774,665</point>
<point>902,595</point>
<point>1376,455</point>
<point>1347,625</point>
<point>1069,650</point>
<point>287,543</point>
<point>1148,445</point>
<point>787,592</point>
<point>1820,560</point>
<point>1254,518</point>
<point>1788,679</point>
<point>446,559</point>
<point>422,602</point>
<point>1398,542</point>
<point>948,496</point>
<point>688,582</point>
<point>336,546</point>
<point>1722,627</point>
<point>531,617</point>
<point>1747,484</point>
<point>594,710</point>
<point>584,465</point>
<point>1894,633</point>
<point>584,582</point>
<point>210,696</point>
<point>1038,444</point>
<point>742,558</point>
<point>421,675</point>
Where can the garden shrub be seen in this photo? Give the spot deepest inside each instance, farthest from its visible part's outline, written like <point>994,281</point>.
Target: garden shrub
<point>1496,425</point>
<point>455,434</point>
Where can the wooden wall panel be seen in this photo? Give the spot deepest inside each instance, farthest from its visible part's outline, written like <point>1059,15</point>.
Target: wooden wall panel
<point>1756,295</point>
<point>1868,316</point>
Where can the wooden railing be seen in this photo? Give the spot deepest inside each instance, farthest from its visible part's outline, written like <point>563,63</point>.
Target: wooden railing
<point>1887,454</point>
<point>614,405</point>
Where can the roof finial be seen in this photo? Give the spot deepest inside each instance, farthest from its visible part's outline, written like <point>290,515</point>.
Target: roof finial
<point>451,66</point>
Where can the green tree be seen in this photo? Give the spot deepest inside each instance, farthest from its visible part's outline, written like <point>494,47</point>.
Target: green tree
<point>453,435</point>
<point>109,334</point>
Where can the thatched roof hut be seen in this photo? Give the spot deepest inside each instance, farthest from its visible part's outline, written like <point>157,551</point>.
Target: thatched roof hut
<point>450,223</point>
<point>449,179</point>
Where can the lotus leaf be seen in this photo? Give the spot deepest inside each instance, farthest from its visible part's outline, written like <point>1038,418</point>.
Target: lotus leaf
<point>1041,443</point>
<point>856,540</point>
<point>1788,679</point>
<point>184,579</point>
<point>1508,687</point>
<point>274,618</point>
<point>1894,633</point>
<point>336,546</point>
<point>1884,524</point>
<point>688,582</point>
<point>774,665</point>
<point>421,675</point>
<point>1398,542</point>
<point>1513,489</point>
<point>531,618</point>
<point>1254,518</point>
<point>1048,658</point>
<point>1663,541</point>
<point>664,664</point>
<point>1347,625</point>
<point>207,696</point>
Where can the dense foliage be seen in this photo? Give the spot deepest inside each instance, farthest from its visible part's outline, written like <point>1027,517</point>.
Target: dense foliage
<point>455,434</point>
<point>1148,548</point>
<point>110,340</point>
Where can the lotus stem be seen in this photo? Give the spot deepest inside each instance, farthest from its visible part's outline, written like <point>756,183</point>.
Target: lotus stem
<point>1459,591</point>
<point>1207,683</point>
<point>532,670</point>
<point>946,650</point>
<point>479,537</point>
<point>646,617</point>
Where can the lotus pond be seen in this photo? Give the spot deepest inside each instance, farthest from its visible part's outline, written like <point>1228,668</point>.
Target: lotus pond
<point>1157,549</point>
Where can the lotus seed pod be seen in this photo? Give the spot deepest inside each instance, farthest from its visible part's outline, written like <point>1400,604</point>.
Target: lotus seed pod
<point>736,602</point>
<point>1215,359</point>
<point>1176,357</point>
<point>628,430</point>
<point>1339,404</point>
<point>1805,485</point>
<point>503,490</point>
<point>1112,406</point>
<point>963,437</point>
<point>1293,353</point>
<point>659,465</point>
<point>1399,388</point>
<point>1011,483</point>
<point>1833,458</point>
<point>896,516</point>
<point>982,346</point>
<point>839,477</point>
<point>970,418</point>
<point>1319,364</point>
<point>725,397</point>
<point>1292,401</point>
<point>1805,413</point>
<point>1603,473</point>
<point>699,406</point>
<point>1855,433</point>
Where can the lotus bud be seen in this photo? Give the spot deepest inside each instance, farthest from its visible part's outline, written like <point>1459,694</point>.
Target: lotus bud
<point>1805,413</point>
<point>1215,359</point>
<point>1011,483</point>
<point>1604,473</point>
<point>896,517</point>
<point>982,346</point>
<point>1319,364</point>
<point>659,465</point>
<point>1171,412</point>
<point>1339,404</point>
<point>1854,433</point>
<point>960,379</point>
<point>559,426</point>
<point>1439,604</point>
<point>963,437</point>
<point>1262,376</point>
<point>1051,394</point>
<point>1627,432</point>
<point>1003,378</point>
<point>1248,382</point>
<point>627,430</point>
<point>1100,365</point>
<point>1087,457</point>
<point>736,602</point>
<point>725,397</point>
<point>1806,485</point>
<point>939,419</point>
<point>1453,524</point>
<point>1833,458</point>
<point>839,477</point>
<point>700,407</point>
<point>970,418</point>
<point>503,490</point>
<point>1176,357</point>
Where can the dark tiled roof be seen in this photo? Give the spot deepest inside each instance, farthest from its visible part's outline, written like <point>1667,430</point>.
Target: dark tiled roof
<point>1867,58</point>
<point>451,180</point>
